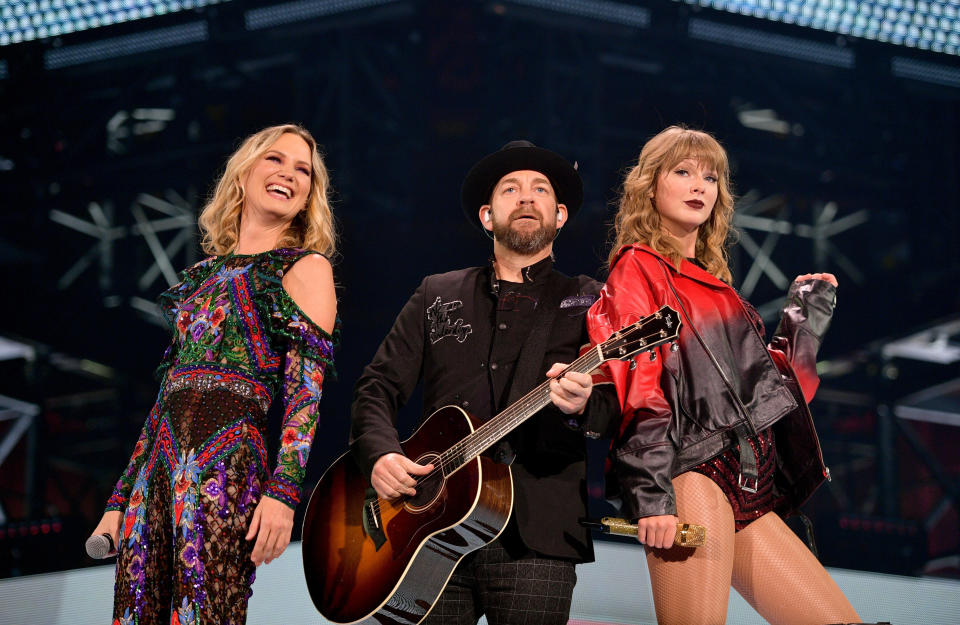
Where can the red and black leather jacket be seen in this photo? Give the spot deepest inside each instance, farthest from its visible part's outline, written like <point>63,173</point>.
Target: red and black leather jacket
<point>678,410</point>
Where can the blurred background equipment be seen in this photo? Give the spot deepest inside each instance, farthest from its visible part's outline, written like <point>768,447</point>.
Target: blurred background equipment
<point>842,120</point>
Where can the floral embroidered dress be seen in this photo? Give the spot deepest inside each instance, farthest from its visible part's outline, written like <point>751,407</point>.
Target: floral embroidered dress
<point>200,465</point>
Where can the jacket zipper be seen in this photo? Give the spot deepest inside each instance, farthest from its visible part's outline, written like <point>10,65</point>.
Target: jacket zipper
<point>744,418</point>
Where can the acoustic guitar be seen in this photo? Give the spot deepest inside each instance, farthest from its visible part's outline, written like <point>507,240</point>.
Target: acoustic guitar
<point>371,560</point>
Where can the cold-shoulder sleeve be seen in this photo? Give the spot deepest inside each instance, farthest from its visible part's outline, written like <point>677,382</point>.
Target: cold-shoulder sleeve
<point>308,360</point>
<point>189,280</point>
<point>170,302</point>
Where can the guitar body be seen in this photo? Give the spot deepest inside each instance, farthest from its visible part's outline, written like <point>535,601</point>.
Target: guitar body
<point>351,580</point>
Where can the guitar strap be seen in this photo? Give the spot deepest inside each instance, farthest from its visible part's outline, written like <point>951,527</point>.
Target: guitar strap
<point>527,373</point>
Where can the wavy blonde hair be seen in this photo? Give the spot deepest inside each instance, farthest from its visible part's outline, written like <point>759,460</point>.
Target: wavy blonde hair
<point>638,220</point>
<point>311,229</point>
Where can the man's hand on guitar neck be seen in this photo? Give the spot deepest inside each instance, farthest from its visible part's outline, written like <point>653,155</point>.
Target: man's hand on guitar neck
<point>571,392</point>
<point>393,475</point>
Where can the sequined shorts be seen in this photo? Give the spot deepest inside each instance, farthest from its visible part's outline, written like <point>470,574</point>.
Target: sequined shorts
<point>724,470</point>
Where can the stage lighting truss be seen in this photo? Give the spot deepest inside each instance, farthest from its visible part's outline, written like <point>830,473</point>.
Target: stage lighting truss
<point>26,20</point>
<point>767,120</point>
<point>22,415</point>
<point>753,217</point>
<point>936,344</point>
<point>138,122</point>
<point>176,214</point>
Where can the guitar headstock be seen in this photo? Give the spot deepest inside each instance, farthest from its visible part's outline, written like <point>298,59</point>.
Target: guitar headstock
<point>652,331</point>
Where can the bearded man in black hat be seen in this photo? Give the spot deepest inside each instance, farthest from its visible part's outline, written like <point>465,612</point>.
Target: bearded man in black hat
<point>481,338</point>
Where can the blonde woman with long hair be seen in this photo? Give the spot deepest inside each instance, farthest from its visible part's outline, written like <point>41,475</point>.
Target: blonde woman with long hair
<point>200,505</point>
<point>716,432</point>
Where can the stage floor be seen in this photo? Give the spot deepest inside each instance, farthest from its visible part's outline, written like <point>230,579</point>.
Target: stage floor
<point>615,589</point>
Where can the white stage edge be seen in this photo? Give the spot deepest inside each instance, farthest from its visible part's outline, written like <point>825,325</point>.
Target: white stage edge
<point>615,589</point>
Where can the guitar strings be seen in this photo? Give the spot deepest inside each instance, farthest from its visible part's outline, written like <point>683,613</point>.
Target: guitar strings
<point>495,428</point>
<point>488,433</point>
<point>530,400</point>
<point>501,424</point>
<point>492,430</point>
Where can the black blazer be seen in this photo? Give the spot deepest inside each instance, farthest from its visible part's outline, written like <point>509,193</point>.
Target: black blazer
<point>443,336</point>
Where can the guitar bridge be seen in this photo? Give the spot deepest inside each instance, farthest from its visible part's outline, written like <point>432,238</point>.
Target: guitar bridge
<point>372,523</point>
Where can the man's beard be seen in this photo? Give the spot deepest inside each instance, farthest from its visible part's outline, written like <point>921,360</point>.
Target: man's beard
<point>525,242</point>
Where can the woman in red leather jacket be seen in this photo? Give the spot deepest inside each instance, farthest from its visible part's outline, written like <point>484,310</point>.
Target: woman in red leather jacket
<point>716,432</point>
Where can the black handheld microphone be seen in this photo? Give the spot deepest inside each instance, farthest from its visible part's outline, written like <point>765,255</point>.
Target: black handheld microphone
<point>100,546</point>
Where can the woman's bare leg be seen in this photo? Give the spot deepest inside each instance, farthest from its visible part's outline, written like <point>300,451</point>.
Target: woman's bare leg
<point>779,576</point>
<point>693,585</point>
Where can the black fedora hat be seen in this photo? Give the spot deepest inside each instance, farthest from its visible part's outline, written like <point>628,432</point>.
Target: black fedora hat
<point>518,156</point>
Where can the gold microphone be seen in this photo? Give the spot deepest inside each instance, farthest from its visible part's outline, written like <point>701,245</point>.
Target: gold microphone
<point>688,534</point>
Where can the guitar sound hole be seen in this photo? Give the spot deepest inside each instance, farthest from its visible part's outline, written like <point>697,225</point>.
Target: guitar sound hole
<point>428,486</point>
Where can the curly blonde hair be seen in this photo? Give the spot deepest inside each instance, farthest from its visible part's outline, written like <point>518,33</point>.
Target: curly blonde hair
<point>311,229</point>
<point>638,220</point>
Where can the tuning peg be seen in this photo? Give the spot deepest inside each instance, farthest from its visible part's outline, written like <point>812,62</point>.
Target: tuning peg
<point>674,347</point>
<point>653,356</point>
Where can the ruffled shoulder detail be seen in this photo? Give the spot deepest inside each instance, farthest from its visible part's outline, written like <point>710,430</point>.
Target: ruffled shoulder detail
<point>171,299</point>
<point>286,320</point>
<point>190,280</point>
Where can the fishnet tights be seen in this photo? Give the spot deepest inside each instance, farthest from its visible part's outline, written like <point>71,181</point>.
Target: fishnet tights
<point>226,494</point>
<point>155,563</point>
<point>229,569</point>
<point>765,562</point>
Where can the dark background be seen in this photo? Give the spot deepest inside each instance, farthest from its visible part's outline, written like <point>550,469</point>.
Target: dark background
<point>862,178</point>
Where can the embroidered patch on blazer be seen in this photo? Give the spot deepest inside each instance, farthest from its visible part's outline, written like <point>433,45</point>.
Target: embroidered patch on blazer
<point>438,314</point>
<point>575,301</point>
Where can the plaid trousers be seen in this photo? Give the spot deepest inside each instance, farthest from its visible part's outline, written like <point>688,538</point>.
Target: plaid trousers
<point>531,590</point>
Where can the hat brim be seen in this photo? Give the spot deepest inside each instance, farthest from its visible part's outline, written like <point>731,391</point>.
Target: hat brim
<point>482,177</point>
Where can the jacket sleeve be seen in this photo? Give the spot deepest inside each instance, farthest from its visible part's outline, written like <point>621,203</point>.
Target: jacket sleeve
<point>601,416</point>
<point>641,454</point>
<point>803,323</point>
<point>386,384</point>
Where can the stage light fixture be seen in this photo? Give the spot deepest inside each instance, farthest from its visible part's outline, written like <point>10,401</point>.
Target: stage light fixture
<point>924,71</point>
<point>25,21</point>
<point>10,349</point>
<point>158,39</point>
<point>927,25</point>
<point>762,41</point>
<point>289,12</point>
<point>602,10</point>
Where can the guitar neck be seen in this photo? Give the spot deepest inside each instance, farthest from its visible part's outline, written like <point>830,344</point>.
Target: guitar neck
<point>502,424</point>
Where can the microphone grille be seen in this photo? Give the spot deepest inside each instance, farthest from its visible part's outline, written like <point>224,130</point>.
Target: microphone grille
<point>98,547</point>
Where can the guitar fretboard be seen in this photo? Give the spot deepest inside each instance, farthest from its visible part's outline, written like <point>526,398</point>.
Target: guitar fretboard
<point>502,424</point>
